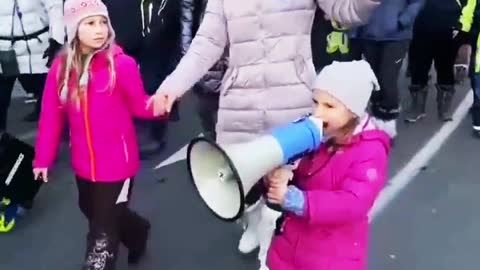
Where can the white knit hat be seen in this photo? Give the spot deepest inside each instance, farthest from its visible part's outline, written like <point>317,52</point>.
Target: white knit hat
<point>351,83</point>
<point>77,10</point>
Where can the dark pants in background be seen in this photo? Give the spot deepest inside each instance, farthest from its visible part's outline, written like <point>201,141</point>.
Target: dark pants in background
<point>439,48</point>
<point>386,58</point>
<point>207,109</point>
<point>32,83</point>
<point>110,222</point>
<point>156,129</point>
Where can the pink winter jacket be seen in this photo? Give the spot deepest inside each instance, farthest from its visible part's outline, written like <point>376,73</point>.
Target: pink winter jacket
<point>102,136</point>
<point>270,73</point>
<point>340,188</point>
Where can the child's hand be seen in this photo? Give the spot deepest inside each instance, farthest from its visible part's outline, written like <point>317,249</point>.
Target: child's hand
<point>277,182</point>
<point>276,192</point>
<point>41,174</point>
<point>156,106</point>
<point>279,175</point>
<point>162,101</point>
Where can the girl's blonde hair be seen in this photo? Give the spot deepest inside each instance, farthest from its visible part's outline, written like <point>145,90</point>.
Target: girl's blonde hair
<point>345,133</point>
<point>74,72</point>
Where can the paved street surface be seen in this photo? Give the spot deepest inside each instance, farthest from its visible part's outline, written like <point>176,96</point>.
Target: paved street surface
<point>432,224</point>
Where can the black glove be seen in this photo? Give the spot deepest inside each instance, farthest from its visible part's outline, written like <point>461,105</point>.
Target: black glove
<point>53,48</point>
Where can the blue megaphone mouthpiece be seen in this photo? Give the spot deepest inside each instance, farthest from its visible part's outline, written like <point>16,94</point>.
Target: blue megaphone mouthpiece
<point>299,137</point>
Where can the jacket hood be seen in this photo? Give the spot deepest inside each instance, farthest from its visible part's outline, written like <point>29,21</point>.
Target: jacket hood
<point>370,130</point>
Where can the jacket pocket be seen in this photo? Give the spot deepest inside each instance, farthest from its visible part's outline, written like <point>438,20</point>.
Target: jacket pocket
<point>228,80</point>
<point>304,71</point>
<point>125,149</point>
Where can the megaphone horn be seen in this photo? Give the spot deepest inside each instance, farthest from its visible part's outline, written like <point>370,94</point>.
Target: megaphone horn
<point>223,175</point>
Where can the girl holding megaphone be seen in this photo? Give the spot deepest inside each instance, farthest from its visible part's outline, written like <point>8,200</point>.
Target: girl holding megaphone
<point>268,79</point>
<point>325,221</point>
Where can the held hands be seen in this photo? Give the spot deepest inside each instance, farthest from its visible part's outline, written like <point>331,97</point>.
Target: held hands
<point>41,174</point>
<point>277,182</point>
<point>162,102</point>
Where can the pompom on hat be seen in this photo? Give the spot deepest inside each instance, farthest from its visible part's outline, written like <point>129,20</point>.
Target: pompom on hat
<point>76,10</point>
<point>352,83</point>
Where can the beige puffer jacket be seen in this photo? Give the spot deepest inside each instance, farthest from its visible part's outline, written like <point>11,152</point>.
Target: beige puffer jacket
<point>268,82</point>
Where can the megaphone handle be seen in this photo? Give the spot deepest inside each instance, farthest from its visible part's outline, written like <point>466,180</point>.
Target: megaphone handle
<point>274,206</point>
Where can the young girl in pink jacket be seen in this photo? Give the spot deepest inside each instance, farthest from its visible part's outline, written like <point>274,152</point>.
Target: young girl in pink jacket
<point>325,224</point>
<point>97,89</point>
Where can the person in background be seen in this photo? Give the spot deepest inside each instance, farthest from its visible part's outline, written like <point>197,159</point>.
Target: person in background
<point>331,42</point>
<point>96,88</point>
<point>474,72</point>
<point>384,43</point>
<point>441,28</point>
<point>31,33</point>
<point>208,88</point>
<point>153,36</point>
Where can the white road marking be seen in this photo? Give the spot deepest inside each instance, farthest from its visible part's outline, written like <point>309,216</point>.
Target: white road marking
<point>420,159</point>
<point>175,157</point>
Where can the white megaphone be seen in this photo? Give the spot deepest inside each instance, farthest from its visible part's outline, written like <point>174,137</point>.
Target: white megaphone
<point>223,175</point>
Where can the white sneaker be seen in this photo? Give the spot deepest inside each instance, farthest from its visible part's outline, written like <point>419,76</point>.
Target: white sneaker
<point>390,127</point>
<point>249,241</point>
<point>264,267</point>
<point>265,232</point>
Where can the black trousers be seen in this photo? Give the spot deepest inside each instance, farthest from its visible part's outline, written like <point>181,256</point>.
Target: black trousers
<point>207,109</point>
<point>386,58</point>
<point>32,83</point>
<point>437,47</point>
<point>110,222</point>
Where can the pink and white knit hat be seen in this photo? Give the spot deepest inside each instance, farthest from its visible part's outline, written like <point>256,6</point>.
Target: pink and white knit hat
<point>77,10</point>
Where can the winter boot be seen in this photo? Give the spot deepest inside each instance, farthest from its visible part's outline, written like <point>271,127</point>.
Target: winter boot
<point>418,103</point>
<point>248,241</point>
<point>265,232</point>
<point>445,95</point>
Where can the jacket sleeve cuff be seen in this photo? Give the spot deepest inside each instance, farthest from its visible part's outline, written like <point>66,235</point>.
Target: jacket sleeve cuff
<point>294,201</point>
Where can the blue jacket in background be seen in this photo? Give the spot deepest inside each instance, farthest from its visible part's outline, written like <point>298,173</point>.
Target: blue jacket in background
<point>392,20</point>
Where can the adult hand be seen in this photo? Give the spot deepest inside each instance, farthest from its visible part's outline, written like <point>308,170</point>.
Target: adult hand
<point>162,101</point>
<point>41,174</point>
<point>157,107</point>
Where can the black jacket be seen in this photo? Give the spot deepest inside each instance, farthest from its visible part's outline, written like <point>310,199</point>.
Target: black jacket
<point>446,15</point>
<point>152,38</point>
<point>128,31</point>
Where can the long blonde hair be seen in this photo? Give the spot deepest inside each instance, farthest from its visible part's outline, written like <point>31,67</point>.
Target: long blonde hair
<point>74,73</point>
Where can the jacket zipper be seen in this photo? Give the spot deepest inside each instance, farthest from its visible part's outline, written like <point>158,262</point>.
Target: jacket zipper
<point>88,135</point>
<point>125,149</point>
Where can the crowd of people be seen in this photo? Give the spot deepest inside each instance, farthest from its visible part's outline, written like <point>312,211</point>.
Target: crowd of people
<point>124,59</point>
